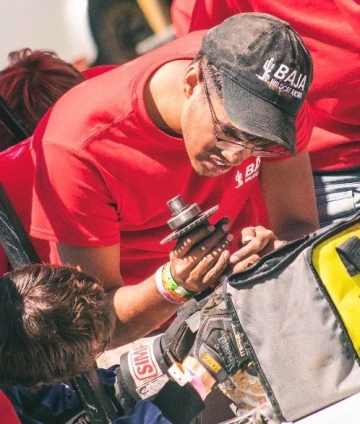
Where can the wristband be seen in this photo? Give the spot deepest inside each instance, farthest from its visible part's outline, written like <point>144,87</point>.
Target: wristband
<point>170,284</point>
<point>167,295</point>
<point>174,295</point>
<point>179,374</point>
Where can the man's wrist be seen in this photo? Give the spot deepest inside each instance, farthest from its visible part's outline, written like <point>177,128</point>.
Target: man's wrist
<point>169,289</point>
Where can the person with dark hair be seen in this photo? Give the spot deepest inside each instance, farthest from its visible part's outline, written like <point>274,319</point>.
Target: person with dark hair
<point>30,84</point>
<point>330,30</point>
<point>110,154</point>
<point>55,321</point>
<point>48,313</point>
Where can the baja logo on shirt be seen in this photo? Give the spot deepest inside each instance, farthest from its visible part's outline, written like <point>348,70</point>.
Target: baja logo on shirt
<point>251,171</point>
<point>284,78</point>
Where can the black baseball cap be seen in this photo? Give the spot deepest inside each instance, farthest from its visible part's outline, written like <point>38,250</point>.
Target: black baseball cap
<point>266,72</point>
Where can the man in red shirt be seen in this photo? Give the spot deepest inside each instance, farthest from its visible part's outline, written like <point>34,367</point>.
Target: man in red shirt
<point>330,29</point>
<point>111,153</point>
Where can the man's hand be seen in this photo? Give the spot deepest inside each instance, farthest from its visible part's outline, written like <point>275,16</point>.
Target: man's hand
<point>255,242</point>
<point>217,344</point>
<point>200,257</point>
<point>218,348</point>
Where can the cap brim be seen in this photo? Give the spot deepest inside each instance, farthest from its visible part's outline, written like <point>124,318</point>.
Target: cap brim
<point>252,114</point>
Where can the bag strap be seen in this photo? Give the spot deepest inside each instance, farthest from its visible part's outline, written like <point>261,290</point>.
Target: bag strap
<point>349,253</point>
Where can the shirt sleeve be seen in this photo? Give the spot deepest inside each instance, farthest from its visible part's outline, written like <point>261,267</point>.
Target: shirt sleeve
<point>55,403</point>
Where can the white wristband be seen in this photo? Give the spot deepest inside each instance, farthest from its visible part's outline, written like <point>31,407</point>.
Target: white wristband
<point>161,288</point>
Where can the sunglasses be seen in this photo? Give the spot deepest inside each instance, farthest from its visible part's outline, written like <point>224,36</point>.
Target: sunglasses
<point>224,144</point>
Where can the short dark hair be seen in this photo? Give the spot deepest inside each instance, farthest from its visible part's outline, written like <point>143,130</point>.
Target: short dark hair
<point>212,73</point>
<point>31,84</point>
<point>54,322</point>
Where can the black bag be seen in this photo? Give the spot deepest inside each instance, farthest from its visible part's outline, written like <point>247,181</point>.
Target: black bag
<point>298,313</point>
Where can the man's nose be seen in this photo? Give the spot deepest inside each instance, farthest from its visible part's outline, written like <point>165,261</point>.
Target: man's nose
<point>235,155</point>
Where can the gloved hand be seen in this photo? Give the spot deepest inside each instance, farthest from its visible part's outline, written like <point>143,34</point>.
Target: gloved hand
<point>204,330</point>
<point>141,374</point>
<point>217,344</point>
<point>219,349</point>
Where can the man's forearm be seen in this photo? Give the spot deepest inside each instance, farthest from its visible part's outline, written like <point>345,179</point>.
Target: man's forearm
<point>140,309</point>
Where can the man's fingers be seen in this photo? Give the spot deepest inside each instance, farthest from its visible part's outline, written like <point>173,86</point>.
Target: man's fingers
<point>254,240</point>
<point>207,270</point>
<point>213,264</point>
<point>247,234</point>
<point>187,242</point>
<point>241,263</point>
<point>246,263</point>
<point>214,275</point>
<point>199,238</point>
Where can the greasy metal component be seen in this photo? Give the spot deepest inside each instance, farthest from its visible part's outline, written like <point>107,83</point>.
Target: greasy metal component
<point>185,217</point>
<point>181,212</point>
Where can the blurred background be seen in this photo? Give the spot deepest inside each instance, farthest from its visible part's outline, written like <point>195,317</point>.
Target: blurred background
<point>85,32</point>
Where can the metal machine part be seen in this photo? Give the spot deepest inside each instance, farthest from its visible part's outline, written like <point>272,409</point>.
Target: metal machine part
<point>185,217</point>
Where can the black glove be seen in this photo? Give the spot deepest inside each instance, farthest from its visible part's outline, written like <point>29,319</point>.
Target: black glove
<point>217,344</point>
<point>203,329</point>
<point>219,348</point>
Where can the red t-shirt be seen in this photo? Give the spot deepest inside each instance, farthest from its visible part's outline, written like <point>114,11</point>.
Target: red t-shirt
<point>16,176</point>
<point>331,31</point>
<point>181,11</point>
<point>7,411</point>
<point>105,172</point>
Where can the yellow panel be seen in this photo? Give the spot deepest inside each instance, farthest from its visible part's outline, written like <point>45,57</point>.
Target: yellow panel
<point>211,363</point>
<point>343,289</point>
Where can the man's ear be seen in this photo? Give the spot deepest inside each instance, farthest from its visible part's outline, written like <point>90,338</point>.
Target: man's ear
<point>192,79</point>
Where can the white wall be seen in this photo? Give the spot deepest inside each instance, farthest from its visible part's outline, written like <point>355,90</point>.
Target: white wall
<point>59,25</point>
